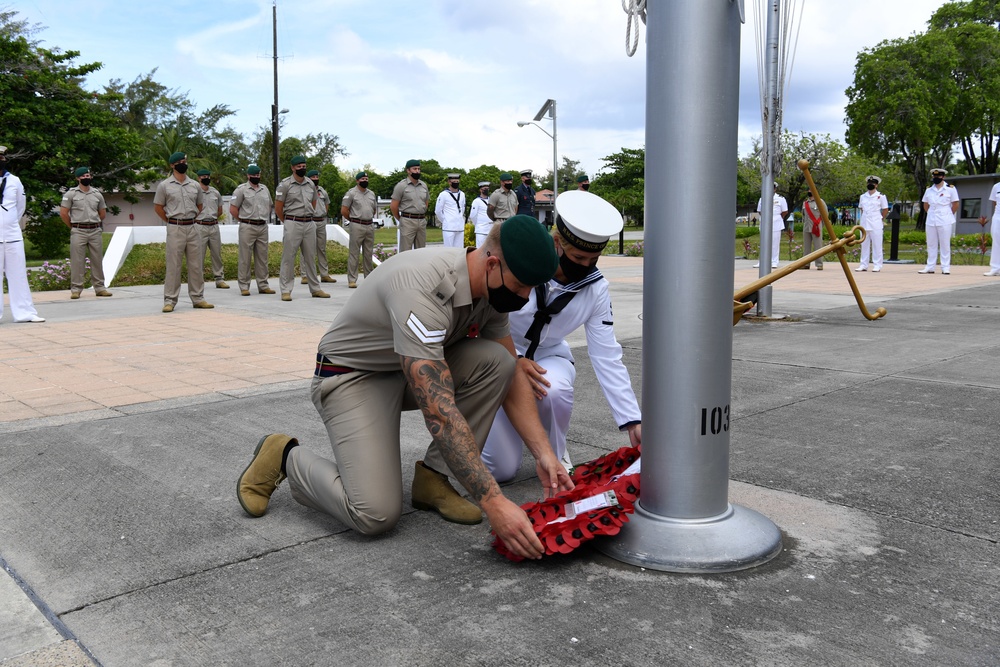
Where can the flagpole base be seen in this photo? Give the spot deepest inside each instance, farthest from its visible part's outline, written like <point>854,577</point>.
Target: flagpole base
<point>738,539</point>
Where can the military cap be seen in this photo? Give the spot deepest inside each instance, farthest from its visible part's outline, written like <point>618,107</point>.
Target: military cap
<point>361,174</point>
<point>412,163</point>
<point>312,172</point>
<point>298,159</point>
<point>454,176</point>
<point>506,177</point>
<point>582,178</point>
<point>586,221</point>
<point>934,172</point>
<point>873,178</point>
<point>176,157</point>
<point>203,172</point>
<point>3,150</point>
<point>528,250</point>
<point>253,170</point>
<point>483,184</point>
<point>526,172</point>
<point>80,171</point>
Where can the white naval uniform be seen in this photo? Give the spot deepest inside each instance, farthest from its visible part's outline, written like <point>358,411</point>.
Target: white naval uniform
<point>477,214</point>
<point>777,226</point>
<point>995,228</point>
<point>591,308</point>
<point>871,205</point>
<point>12,262</point>
<point>940,219</point>
<point>450,211</point>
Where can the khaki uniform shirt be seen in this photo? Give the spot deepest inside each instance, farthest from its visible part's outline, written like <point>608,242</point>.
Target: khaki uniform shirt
<point>322,202</point>
<point>412,198</point>
<point>252,202</point>
<point>179,200</point>
<point>84,207</point>
<point>415,305</point>
<point>298,197</point>
<point>213,200</point>
<point>361,204</point>
<point>504,203</point>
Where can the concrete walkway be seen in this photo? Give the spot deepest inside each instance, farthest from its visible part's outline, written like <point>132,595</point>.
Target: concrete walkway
<point>871,444</point>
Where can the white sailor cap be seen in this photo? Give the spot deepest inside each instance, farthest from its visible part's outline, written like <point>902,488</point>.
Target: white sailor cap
<point>939,171</point>
<point>454,176</point>
<point>873,178</point>
<point>483,184</point>
<point>586,220</point>
<point>526,172</point>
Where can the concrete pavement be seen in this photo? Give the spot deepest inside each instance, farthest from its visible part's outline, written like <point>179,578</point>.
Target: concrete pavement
<point>870,444</point>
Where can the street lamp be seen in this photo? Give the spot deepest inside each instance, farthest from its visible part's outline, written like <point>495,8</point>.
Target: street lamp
<point>274,139</point>
<point>550,108</point>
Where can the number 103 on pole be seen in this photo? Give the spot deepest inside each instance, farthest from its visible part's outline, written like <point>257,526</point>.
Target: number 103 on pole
<point>714,420</point>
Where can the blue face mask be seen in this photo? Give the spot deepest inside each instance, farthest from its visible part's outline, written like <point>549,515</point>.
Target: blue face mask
<point>502,299</point>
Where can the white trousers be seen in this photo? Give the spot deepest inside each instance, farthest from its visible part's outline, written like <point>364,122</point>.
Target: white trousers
<point>995,253</point>
<point>14,268</point>
<point>873,243</point>
<point>939,238</point>
<point>454,239</point>
<point>775,246</point>
<point>504,448</point>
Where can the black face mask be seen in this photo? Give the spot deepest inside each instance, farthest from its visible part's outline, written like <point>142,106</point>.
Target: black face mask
<point>255,179</point>
<point>527,181</point>
<point>502,299</point>
<point>484,192</point>
<point>362,184</point>
<point>574,272</point>
<point>415,176</point>
<point>871,185</point>
<point>181,167</point>
<point>453,185</point>
<point>508,186</point>
<point>315,181</point>
<point>300,172</point>
<point>86,181</point>
<point>585,186</point>
<point>3,166</point>
<point>938,180</point>
<point>206,180</point>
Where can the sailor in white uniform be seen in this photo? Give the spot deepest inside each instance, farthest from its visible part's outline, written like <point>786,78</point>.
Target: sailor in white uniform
<point>577,296</point>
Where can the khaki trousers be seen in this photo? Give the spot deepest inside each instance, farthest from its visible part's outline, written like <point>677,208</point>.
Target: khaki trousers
<point>811,243</point>
<point>84,243</point>
<point>212,243</point>
<point>363,242</point>
<point>322,261</point>
<point>412,233</point>
<point>253,246</point>
<point>298,236</point>
<point>184,242</point>
<point>363,487</point>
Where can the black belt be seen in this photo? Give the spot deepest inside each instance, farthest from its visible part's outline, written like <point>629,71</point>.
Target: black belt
<point>85,225</point>
<point>178,221</point>
<point>413,215</point>
<point>253,222</point>
<point>325,369</point>
<point>360,221</point>
<point>297,219</point>
<point>207,222</point>
<point>319,219</point>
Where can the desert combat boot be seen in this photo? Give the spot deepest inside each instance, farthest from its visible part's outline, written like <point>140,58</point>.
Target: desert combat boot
<point>432,491</point>
<point>263,475</point>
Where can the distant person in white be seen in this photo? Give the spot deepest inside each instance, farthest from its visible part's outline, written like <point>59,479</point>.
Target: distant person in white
<point>477,213</point>
<point>577,296</point>
<point>12,263</point>
<point>874,206</point>
<point>450,212</point>
<point>995,232</point>
<point>778,217</point>
<point>941,203</point>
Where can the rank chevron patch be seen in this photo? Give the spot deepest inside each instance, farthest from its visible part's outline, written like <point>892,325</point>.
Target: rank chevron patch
<point>423,333</point>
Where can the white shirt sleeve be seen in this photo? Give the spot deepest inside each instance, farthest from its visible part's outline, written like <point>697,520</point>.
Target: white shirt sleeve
<point>606,357</point>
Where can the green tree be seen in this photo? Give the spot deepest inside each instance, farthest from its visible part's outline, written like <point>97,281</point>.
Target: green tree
<point>52,125</point>
<point>624,182</point>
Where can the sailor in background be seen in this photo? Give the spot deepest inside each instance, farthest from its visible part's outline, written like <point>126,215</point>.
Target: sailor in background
<point>577,296</point>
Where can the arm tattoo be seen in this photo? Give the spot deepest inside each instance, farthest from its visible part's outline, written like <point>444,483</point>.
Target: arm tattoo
<point>434,390</point>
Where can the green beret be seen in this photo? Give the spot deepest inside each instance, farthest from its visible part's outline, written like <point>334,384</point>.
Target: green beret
<point>80,171</point>
<point>412,163</point>
<point>203,172</point>
<point>298,159</point>
<point>176,157</point>
<point>506,177</point>
<point>528,250</point>
<point>361,174</point>
<point>312,172</point>
<point>253,170</point>
<point>582,178</point>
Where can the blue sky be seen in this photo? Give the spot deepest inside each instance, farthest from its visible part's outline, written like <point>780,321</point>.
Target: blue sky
<point>446,80</point>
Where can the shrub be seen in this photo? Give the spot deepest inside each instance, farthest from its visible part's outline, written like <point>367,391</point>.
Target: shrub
<point>382,253</point>
<point>634,249</point>
<point>55,276</point>
<point>48,236</point>
<point>746,232</point>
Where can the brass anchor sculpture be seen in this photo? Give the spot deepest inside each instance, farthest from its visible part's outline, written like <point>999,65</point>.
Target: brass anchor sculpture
<point>850,238</point>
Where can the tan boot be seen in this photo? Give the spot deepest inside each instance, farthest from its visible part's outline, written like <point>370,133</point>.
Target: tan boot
<point>432,491</point>
<point>305,281</point>
<point>262,477</point>
<point>327,279</point>
<point>104,292</point>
